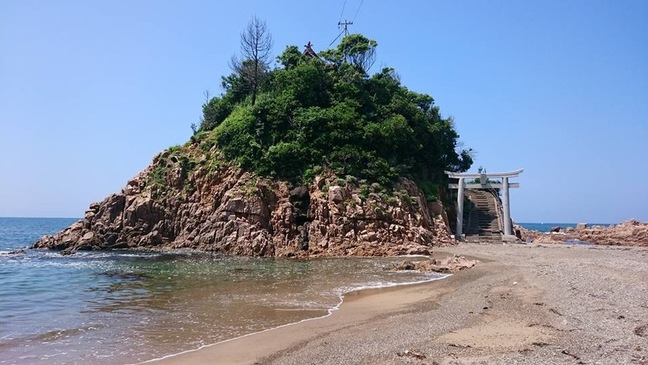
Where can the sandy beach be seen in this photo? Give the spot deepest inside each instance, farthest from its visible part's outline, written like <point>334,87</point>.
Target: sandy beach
<point>521,304</point>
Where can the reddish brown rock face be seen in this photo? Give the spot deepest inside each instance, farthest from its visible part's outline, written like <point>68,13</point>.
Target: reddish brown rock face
<point>629,233</point>
<point>233,212</point>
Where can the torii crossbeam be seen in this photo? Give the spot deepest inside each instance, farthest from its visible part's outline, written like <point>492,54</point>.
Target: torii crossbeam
<point>484,184</point>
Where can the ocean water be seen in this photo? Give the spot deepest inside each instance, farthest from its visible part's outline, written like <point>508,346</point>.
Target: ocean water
<point>546,227</point>
<point>117,307</point>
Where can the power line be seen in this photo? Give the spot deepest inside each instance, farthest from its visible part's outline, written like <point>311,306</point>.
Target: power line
<point>342,12</point>
<point>336,38</point>
<point>357,11</point>
<point>345,24</point>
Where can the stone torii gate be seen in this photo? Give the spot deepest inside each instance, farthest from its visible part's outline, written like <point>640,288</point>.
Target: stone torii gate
<point>484,184</point>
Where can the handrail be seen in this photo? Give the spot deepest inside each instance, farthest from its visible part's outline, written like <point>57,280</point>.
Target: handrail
<point>468,224</point>
<point>498,209</point>
<point>500,218</point>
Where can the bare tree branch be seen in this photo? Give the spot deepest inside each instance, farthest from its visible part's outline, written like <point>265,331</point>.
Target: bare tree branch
<point>256,47</point>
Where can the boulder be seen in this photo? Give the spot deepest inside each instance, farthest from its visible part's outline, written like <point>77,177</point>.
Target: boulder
<point>447,265</point>
<point>336,194</point>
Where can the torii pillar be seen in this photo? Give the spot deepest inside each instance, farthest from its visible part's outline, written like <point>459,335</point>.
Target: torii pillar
<point>484,184</point>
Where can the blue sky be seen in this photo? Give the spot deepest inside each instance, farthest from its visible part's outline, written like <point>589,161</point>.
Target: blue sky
<point>90,91</point>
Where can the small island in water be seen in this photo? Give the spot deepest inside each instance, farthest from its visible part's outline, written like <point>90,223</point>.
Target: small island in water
<point>313,158</point>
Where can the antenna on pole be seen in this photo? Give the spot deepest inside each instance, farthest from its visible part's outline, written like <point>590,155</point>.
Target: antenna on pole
<point>345,24</point>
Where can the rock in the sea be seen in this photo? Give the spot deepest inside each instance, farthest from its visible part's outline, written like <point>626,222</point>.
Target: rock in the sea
<point>448,265</point>
<point>403,265</point>
<point>629,233</point>
<point>225,209</point>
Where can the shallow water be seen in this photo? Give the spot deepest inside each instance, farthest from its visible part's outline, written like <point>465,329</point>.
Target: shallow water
<point>123,306</point>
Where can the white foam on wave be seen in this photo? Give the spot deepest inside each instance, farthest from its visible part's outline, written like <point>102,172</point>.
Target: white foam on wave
<point>389,284</point>
<point>297,305</point>
<point>80,260</point>
<point>113,254</point>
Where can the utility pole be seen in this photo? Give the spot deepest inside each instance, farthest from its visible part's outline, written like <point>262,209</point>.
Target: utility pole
<point>345,24</point>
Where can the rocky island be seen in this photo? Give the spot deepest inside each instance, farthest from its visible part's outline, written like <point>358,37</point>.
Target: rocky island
<point>313,158</point>
<point>232,212</point>
<point>628,233</point>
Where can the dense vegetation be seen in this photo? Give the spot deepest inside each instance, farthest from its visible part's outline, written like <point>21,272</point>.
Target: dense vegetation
<point>326,114</point>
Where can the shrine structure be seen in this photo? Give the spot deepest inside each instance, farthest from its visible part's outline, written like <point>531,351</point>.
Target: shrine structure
<point>486,181</point>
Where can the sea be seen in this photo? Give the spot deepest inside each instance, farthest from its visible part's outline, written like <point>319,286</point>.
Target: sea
<point>546,227</point>
<point>123,307</point>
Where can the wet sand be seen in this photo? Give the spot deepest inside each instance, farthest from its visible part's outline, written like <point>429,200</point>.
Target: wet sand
<point>522,304</point>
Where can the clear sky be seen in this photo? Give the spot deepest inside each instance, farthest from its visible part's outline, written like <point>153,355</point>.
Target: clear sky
<point>90,91</point>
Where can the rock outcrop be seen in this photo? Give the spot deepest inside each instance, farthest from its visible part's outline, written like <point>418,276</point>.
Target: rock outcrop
<point>629,233</point>
<point>446,265</point>
<point>189,198</point>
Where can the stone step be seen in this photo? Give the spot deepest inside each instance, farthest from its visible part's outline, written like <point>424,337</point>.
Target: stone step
<point>482,222</point>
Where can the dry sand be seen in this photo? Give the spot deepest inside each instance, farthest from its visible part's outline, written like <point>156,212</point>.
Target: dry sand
<point>521,304</point>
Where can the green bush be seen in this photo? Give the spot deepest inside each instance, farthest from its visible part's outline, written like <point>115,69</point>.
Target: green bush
<point>331,114</point>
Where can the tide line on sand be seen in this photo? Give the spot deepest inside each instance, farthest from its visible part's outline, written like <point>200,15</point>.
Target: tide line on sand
<point>329,311</point>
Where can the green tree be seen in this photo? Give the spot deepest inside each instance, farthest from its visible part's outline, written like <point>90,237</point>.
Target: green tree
<point>329,112</point>
<point>354,49</point>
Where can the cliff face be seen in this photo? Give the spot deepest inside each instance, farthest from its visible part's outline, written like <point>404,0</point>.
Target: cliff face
<point>188,198</point>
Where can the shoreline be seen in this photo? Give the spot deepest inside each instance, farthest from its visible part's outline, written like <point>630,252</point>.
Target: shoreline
<point>526,303</point>
<point>351,295</point>
<point>195,356</point>
<point>348,299</point>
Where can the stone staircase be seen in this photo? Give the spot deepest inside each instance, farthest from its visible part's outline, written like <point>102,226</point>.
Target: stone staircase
<point>482,223</point>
